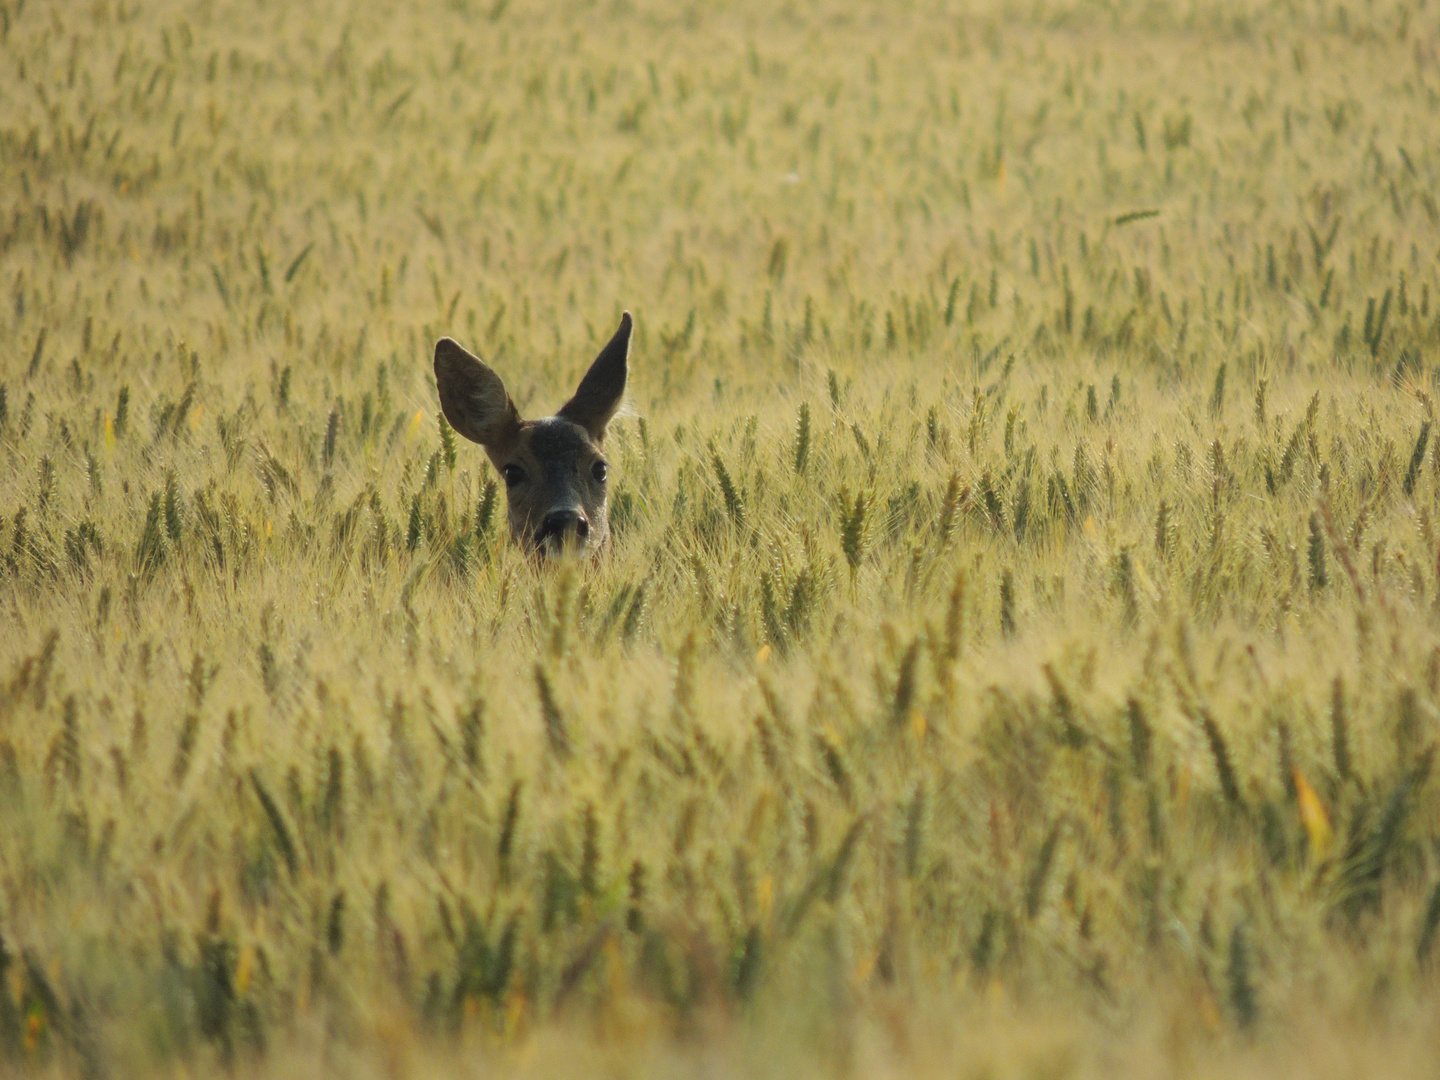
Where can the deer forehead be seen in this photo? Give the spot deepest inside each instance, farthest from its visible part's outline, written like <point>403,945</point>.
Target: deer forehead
<point>556,442</point>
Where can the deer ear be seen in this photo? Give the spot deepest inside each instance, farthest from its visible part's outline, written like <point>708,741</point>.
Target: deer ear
<point>473,398</point>
<point>598,397</point>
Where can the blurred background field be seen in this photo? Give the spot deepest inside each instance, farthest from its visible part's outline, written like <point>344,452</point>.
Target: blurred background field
<point>1020,650</point>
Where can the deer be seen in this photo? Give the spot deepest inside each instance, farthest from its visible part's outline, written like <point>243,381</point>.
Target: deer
<point>554,468</point>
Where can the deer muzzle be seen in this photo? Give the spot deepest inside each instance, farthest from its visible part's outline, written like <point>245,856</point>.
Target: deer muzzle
<point>563,531</point>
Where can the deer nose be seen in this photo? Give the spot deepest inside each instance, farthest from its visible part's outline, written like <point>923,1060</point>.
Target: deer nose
<point>563,522</point>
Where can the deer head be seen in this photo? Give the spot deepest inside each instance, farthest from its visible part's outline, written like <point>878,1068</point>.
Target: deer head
<point>555,472</point>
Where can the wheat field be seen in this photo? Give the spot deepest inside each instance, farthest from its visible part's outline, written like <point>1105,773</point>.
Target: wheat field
<point>1019,650</point>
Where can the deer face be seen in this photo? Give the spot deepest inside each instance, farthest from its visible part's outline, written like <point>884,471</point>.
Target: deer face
<point>555,472</point>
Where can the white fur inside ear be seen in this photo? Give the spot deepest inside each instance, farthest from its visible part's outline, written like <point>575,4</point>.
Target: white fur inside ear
<point>627,411</point>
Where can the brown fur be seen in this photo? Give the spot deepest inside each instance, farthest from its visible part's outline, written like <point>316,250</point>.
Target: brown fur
<point>555,472</point>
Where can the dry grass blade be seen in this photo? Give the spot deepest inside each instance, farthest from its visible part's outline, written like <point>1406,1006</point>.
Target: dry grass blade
<point>284,844</point>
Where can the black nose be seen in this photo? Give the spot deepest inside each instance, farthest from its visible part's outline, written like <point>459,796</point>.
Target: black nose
<point>562,523</point>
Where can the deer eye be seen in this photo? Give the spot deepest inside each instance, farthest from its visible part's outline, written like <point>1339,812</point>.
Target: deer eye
<point>513,474</point>
<point>599,471</point>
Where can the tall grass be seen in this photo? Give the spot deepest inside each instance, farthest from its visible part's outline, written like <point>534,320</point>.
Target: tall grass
<point>1018,648</point>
